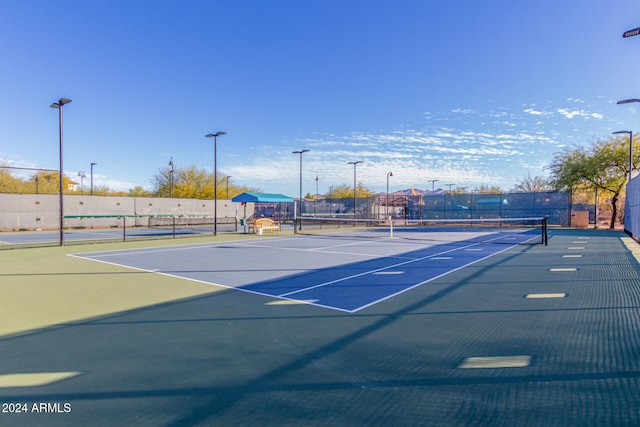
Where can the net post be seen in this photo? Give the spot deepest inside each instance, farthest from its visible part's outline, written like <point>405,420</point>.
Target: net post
<point>390,227</point>
<point>174,226</point>
<point>124,228</point>
<point>295,223</point>
<point>545,235</point>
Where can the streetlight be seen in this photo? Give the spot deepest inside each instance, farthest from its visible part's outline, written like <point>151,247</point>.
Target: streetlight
<point>81,174</point>
<point>450,201</point>
<point>227,178</point>
<point>387,200</point>
<point>300,152</point>
<point>630,133</point>
<point>58,105</point>
<point>171,178</point>
<point>315,198</point>
<point>355,197</point>
<point>215,178</point>
<point>433,186</point>
<point>629,101</point>
<point>92,165</point>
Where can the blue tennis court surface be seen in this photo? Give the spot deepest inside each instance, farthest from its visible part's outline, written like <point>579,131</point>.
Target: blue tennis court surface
<point>341,273</point>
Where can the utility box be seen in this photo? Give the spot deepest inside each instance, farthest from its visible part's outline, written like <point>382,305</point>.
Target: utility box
<point>580,219</point>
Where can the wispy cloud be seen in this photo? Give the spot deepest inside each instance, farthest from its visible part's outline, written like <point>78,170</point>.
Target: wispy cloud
<point>570,114</point>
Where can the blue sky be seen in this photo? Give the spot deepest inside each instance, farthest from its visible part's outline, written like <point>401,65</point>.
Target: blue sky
<point>464,92</point>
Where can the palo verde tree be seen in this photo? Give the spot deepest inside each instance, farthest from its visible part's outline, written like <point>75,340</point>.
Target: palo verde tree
<point>346,192</point>
<point>193,182</point>
<point>603,166</point>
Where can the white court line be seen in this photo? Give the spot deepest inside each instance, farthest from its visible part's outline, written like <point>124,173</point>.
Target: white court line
<point>374,271</point>
<point>404,263</point>
<point>94,255</point>
<point>552,295</point>
<point>495,362</point>
<point>34,379</point>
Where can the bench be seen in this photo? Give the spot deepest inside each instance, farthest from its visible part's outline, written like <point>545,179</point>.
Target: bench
<point>264,224</point>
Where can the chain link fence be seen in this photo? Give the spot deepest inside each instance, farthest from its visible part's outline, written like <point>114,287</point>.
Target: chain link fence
<point>555,206</point>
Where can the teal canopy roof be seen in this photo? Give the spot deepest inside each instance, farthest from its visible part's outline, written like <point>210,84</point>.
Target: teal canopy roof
<point>262,198</point>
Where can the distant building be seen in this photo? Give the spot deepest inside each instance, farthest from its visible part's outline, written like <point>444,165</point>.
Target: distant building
<point>72,185</point>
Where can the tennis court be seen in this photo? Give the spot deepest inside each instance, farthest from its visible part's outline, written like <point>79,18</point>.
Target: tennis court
<point>504,334</point>
<point>349,271</point>
<point>83,235</point>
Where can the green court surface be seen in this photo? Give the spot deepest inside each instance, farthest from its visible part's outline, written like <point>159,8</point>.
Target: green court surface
<point>534,335</point>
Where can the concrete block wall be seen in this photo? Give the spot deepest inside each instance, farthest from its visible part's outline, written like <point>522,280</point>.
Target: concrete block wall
<point>42,211</point>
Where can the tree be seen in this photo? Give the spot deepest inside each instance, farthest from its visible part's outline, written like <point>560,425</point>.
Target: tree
<point>9,183</point>
<point>489,189</point>
<point>345,192</point>
<point>531,184</point>
<point>138,191</point>
<point>193,182</point>
<point>603,166</point>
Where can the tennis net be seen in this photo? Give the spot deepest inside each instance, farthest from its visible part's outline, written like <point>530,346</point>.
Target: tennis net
<point>492,230</point>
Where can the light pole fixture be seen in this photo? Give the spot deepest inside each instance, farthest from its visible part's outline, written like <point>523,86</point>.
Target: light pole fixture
<point>215,178</point>
<point>92,165</point>
<point>355,196</point>
<point>300,152</point>
<point>450,185</point>
<point>227,178</point>
<point>171,178</point>
<point>628,101</point>
<point>433,186</point>
<point>387,200</point>
<point>81,174</point>
<point>315,198</point>
<point>630,133</point>
<point>58,105</point>
<point>631,33</point>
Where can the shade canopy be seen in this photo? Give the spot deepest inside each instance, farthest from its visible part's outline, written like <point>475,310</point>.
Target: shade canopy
<point>248,197</point>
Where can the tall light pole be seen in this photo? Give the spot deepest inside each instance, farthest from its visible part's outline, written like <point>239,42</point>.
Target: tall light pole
<point>433,186</point>
<point>355,194</point>
<point>227,178</point>
<point>171,178</point>
<point>92,165</point>
<point>81,174</point>
<point>444,208</point>
<point>215,178</point>
<point>58,105</point>
<point>387,200</point>
<point>630,133</point>
<point>629,101</point>
<point>300,152</point>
